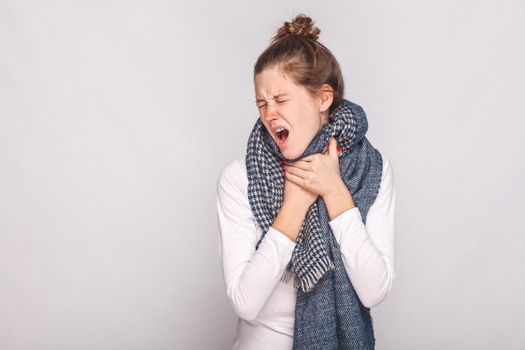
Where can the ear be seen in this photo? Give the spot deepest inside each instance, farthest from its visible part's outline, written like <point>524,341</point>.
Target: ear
<point>326,97</point>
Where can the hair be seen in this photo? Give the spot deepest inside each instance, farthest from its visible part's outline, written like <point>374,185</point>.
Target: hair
<point>296,50</point>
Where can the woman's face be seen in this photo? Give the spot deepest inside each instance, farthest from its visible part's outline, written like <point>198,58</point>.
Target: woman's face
<point>284,104</point>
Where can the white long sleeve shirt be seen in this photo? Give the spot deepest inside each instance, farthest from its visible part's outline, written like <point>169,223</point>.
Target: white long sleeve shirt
<point>265,305</point>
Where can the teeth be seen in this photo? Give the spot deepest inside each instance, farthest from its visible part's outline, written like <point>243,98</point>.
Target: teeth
<point>279,130</point>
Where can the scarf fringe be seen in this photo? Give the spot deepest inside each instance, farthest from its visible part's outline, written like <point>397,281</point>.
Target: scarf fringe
<point>313,276</point>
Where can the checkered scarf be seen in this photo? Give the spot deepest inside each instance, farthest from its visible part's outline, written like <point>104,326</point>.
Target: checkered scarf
<point>328,313</point>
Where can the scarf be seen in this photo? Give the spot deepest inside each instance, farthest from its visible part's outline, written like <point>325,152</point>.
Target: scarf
<point>328,312</point>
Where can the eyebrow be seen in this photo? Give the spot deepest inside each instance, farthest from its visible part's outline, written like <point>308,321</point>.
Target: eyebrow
<point>274,96</point>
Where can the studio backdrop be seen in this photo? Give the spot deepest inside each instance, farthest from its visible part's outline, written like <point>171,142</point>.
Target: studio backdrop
<point>116,119</point>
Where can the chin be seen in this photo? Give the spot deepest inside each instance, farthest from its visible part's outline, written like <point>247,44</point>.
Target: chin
<point>291,154</point>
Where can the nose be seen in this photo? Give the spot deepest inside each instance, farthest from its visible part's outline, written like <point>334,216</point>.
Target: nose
<point>271,112</point>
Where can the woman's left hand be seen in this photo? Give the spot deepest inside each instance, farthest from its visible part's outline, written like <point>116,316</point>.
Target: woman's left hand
<point>319,172</point>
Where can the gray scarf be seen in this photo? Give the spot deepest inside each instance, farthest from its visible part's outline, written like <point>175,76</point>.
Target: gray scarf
<point>328,312</point>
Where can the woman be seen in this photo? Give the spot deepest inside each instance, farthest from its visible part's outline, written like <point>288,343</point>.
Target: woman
<point>306,215</point>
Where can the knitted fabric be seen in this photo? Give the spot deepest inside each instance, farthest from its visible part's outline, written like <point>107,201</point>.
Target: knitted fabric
<point>328,312</point>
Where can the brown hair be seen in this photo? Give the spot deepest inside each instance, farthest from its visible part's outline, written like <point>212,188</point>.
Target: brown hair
<point>296,50</point>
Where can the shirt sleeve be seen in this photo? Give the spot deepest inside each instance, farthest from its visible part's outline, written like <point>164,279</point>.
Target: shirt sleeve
<point>368,252</point>
<point>250,275</point>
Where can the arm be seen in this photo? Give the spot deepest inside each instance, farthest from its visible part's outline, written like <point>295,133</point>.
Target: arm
<point>290,219</point>
<point>368,252</point>
<point>250,276</point>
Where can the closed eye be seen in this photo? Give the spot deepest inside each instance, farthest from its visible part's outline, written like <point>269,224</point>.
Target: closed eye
<point>264,105</point>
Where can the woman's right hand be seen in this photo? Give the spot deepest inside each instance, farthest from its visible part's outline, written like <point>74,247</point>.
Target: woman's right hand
<point>292,213</point>
<point>296,195</point>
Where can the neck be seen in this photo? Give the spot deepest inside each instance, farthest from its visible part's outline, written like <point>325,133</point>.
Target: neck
<point>324,120</point>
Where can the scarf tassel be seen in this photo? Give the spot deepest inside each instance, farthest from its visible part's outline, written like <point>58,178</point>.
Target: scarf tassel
<point>312,277</point>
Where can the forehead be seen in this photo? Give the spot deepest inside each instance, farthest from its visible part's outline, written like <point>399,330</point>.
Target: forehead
<point>271,82</point>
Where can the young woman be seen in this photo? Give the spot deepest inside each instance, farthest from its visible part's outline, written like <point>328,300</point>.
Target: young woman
<point>307,213</point>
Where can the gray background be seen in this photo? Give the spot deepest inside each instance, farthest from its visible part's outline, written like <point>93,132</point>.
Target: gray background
<point>116,118</point>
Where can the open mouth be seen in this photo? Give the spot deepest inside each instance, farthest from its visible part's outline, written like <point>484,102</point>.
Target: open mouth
<point>282,135</point>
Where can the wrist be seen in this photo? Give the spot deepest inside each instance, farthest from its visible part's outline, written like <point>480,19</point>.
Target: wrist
<point>295,209</point>
<point>289,220</point>
<point>338,200</point>
<point>337,190</point>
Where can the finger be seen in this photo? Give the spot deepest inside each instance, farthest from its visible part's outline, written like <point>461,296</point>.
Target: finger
<point>301,165</point>
<point>296,171</point>
<point>332,148</point>
<point>293,178</point>
<point>310,158</point>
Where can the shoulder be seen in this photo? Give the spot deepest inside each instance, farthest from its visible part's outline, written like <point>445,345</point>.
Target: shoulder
<point>386,192</point>
<point>386,187</point>
<point>388,171</point>
<point>233,176</point>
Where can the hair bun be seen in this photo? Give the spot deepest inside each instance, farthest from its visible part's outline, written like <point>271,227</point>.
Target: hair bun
<point>301,25</point>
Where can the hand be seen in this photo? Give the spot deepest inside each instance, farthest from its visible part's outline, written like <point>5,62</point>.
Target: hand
<point>295,195</point>
<point>292,213</point>
<point>317,173</point>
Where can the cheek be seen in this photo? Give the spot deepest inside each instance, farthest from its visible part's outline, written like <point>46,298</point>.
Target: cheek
<point>312,123</point>
<point>303,121</point>
<point>297,115</point>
